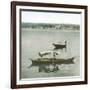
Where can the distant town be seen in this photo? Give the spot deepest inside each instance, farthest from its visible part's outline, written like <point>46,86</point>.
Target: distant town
<point>50,26</point>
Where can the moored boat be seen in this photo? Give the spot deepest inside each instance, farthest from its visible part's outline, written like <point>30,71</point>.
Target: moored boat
<point>48,61</point>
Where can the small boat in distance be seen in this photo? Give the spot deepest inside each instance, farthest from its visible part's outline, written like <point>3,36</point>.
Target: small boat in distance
<point>60,45</point>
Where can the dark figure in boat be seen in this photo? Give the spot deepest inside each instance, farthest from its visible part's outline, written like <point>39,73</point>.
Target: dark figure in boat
<point>60,46</point>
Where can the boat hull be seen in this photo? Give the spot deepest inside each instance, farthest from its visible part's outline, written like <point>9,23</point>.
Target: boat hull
<point>48,61</point>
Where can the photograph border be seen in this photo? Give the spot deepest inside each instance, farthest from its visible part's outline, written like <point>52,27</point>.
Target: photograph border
<point>13,44</point>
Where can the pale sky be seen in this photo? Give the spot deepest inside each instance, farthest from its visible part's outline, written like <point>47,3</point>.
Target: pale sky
<point>50,17</point>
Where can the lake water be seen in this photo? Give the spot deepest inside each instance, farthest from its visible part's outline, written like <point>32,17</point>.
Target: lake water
<point>35,41</point>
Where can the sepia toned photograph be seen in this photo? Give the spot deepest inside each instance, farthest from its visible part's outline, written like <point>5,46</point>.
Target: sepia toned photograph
<point>48,44</point>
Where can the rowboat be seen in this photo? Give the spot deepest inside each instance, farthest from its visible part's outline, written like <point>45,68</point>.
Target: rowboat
<point>60,46</point>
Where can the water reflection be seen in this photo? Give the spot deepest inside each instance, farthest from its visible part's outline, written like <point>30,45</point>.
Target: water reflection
<point>34,42</point>
<point>48,69</point>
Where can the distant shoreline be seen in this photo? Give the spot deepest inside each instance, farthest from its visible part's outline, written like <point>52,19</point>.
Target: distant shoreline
<point>49,26</point>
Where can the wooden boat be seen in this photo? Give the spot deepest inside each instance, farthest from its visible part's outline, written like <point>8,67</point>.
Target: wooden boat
<point>60,46</point>
<point>48,61</point>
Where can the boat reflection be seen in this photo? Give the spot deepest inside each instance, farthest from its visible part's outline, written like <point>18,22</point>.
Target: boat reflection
<point>48,69</point>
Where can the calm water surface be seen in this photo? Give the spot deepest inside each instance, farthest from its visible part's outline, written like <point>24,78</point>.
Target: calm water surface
<point>35,41</point>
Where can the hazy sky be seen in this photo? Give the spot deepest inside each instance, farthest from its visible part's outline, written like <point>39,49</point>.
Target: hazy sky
<point>50,17</point>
